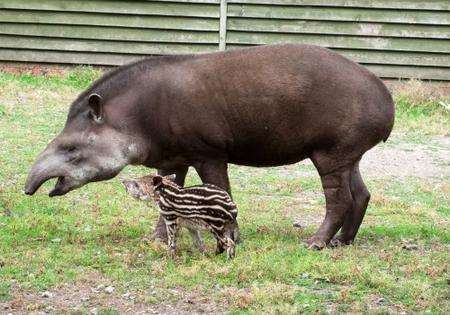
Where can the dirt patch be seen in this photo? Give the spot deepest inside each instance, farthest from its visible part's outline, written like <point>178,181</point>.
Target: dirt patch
<point>96,297</point>
<point>394,159</point>
<point>405,159</point>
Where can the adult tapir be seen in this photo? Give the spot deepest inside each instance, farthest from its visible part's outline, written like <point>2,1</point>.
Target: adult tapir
<point>260,106</point>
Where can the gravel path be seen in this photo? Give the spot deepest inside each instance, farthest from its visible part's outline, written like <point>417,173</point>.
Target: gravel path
<point>396,158</point>
<point>402,159</point>
<point>91,298</point>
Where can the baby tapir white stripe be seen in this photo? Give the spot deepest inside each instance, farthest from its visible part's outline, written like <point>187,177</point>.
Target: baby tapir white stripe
<point>185,211</point>
<point>193,216</point>
<point>201,191</point>
<point>192,198</point>
<point>204,209</point>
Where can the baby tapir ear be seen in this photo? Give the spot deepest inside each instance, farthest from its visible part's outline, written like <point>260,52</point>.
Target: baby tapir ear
<point>129,184</point>
<point>171,177</point>
<point>157,181</point>
<point>96,104</point>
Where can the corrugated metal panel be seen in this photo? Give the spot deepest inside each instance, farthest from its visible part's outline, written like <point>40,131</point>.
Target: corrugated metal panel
<point>394,38</point>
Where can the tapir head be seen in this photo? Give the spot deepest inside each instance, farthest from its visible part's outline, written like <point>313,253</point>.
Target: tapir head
<point>94,145</point>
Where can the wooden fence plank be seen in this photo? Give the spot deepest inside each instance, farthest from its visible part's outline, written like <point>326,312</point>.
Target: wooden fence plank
<point>383,4</point>
<point>424,73</point>
<point>396,58</point>
<point>364,56</point>
<point>65,57</point>
<point>339,14</point>
<point>393,38</point>
<point>63,44</point>
<point>117,7</point>
<point>190,1</point>
<point>386,57</point>
<point>108,33</point>
<point>136,21</point>
<point>116,59</point>
<point>355,42</point>
<point>342,28</point>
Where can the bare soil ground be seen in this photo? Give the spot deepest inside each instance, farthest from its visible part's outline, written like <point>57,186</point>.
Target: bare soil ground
<point>403,159</point>
<point>97,296</point>
<point>397,158</point>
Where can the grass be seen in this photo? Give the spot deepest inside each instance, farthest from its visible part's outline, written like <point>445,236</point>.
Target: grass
<point>422,109</point>
<point>99,234</point>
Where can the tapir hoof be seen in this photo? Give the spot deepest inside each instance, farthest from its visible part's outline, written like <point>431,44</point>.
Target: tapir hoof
<point>315,243</point>
<point>159,236</point>
<point>339,241</point>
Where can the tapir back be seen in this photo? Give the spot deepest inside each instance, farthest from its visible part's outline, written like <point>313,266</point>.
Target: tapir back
<point>272,105</point>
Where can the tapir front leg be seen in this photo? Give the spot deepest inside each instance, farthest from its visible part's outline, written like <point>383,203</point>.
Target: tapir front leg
<point>160,229</point>
<point>216,173</point>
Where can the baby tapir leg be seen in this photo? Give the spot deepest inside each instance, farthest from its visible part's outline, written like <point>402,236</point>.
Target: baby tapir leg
<point>225,242</point>
<point>230,246</point>
<point>197,240</point>
<point>220,246</point>
<point>230,241</point>
<point>172,232</point>
<point>220,238</point>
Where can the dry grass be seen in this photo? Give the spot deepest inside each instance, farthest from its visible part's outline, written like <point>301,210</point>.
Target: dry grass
<point>422,108</point>
<point>419,93</point>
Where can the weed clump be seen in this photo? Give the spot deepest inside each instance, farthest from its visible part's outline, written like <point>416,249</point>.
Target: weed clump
<point>422,108</point>
<point>428,97</point>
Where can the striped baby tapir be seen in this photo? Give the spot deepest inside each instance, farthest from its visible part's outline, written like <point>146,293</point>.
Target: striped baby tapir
<point>206,207</point>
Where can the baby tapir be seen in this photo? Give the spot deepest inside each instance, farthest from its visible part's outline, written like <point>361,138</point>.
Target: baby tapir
<point>197,207</point>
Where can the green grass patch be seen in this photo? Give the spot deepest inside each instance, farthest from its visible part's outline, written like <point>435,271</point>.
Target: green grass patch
<point>99,230</point>
<point>421,109</point>
<point>78,78</point>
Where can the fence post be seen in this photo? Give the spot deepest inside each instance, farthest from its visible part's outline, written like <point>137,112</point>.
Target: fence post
<point>223,25</point>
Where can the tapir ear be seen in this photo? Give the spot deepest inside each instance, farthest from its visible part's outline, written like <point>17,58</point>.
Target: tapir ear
<point>157,180</point>
<point>171,177</point>
<point>96,104</point>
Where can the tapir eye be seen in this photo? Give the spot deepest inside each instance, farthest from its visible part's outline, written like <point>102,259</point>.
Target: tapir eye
<point>71,154</point>
<point>69,149</point>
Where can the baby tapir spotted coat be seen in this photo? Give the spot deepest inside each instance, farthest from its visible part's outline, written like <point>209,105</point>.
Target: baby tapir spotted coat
<point>197,207</point>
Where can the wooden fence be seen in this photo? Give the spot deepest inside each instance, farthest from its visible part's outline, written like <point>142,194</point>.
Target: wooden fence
<point>393,38</point>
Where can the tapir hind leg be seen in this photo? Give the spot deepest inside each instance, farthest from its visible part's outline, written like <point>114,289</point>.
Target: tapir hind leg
<point>361,197</point>
<point>335,177</point>
<point>160,229</point>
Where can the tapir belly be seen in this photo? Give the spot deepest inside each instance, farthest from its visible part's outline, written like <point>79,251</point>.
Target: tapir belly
<point>275,139</point>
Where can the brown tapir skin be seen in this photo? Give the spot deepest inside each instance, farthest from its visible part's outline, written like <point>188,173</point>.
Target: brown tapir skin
<point>260,106</point>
